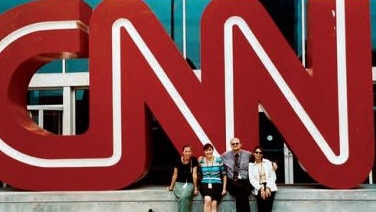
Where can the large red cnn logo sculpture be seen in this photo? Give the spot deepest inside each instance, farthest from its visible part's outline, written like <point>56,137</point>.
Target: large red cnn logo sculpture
<point>324,114</point>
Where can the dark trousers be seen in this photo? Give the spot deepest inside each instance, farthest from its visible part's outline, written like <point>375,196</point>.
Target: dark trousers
<point>240,189</point>
<point>265,205</point>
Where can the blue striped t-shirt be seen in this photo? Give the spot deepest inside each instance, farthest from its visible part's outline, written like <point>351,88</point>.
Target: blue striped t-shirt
<point>212,171</point>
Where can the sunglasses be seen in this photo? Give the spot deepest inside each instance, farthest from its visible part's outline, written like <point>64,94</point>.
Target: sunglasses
<point>258,153</point>
<point>234,144</point>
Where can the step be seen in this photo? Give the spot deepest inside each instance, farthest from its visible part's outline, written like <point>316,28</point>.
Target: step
<point>289,198</point>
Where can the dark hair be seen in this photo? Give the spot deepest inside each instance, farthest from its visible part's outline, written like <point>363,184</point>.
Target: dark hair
<point>187,146</point>
<point>208,146</point>
<point>258,147</point>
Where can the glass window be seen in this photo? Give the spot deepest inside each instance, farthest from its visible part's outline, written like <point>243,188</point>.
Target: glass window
<point>45,97</point>
<point>52,67</point>
<point>170,14</point>
<point>373,23</point>
<point>7,5</point>
<point>93,3</point>
<point>194,10</point>
<point>53,121</point>
<point>76,65</point>
<point>162,10</point>
<point>34,116</point>
<point>284,13</point>
<point>82,110</point>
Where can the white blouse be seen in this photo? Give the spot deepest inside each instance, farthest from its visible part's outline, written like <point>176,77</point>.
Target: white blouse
<point>262,173</point>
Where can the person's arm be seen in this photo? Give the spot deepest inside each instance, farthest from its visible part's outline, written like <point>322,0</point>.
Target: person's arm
<point>271,178</point>
<point>224,183</point>
<point>274,165</point>
<point>251,176</point>
<point>194,176</point>
<point>173,180</point>
<point>270,172</point>
<point>224,178</point>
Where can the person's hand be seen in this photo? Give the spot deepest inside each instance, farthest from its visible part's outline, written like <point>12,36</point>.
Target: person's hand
<point>224,192</point>
<point>263,194</point>
<point>169,188</point>
<point>268,193</point>
<point>275,166</point>
<point>195,192</point>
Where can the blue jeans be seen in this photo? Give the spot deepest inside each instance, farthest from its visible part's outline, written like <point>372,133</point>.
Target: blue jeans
<point>184,193</point>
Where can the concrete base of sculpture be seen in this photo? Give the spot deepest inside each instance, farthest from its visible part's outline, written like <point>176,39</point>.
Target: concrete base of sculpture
<point>289,198</point>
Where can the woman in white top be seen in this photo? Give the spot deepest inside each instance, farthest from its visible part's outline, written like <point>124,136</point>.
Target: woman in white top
<point>262,177</point>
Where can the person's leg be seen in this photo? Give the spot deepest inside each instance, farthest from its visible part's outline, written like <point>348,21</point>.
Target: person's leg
<point>216,197</point>
<point>243,196</point>
<point>233,189</point>
<point>240,190</point>
<point>230,187</point>
<point>242,204</point>
<point>207,203</point>
<point>260,203</point>
<point>214,205</point>
<point>177,191</point>
<point>269,203</point>
<point>185,200</point>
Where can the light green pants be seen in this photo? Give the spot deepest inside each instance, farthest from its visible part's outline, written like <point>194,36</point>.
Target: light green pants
<point>184,194</point>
